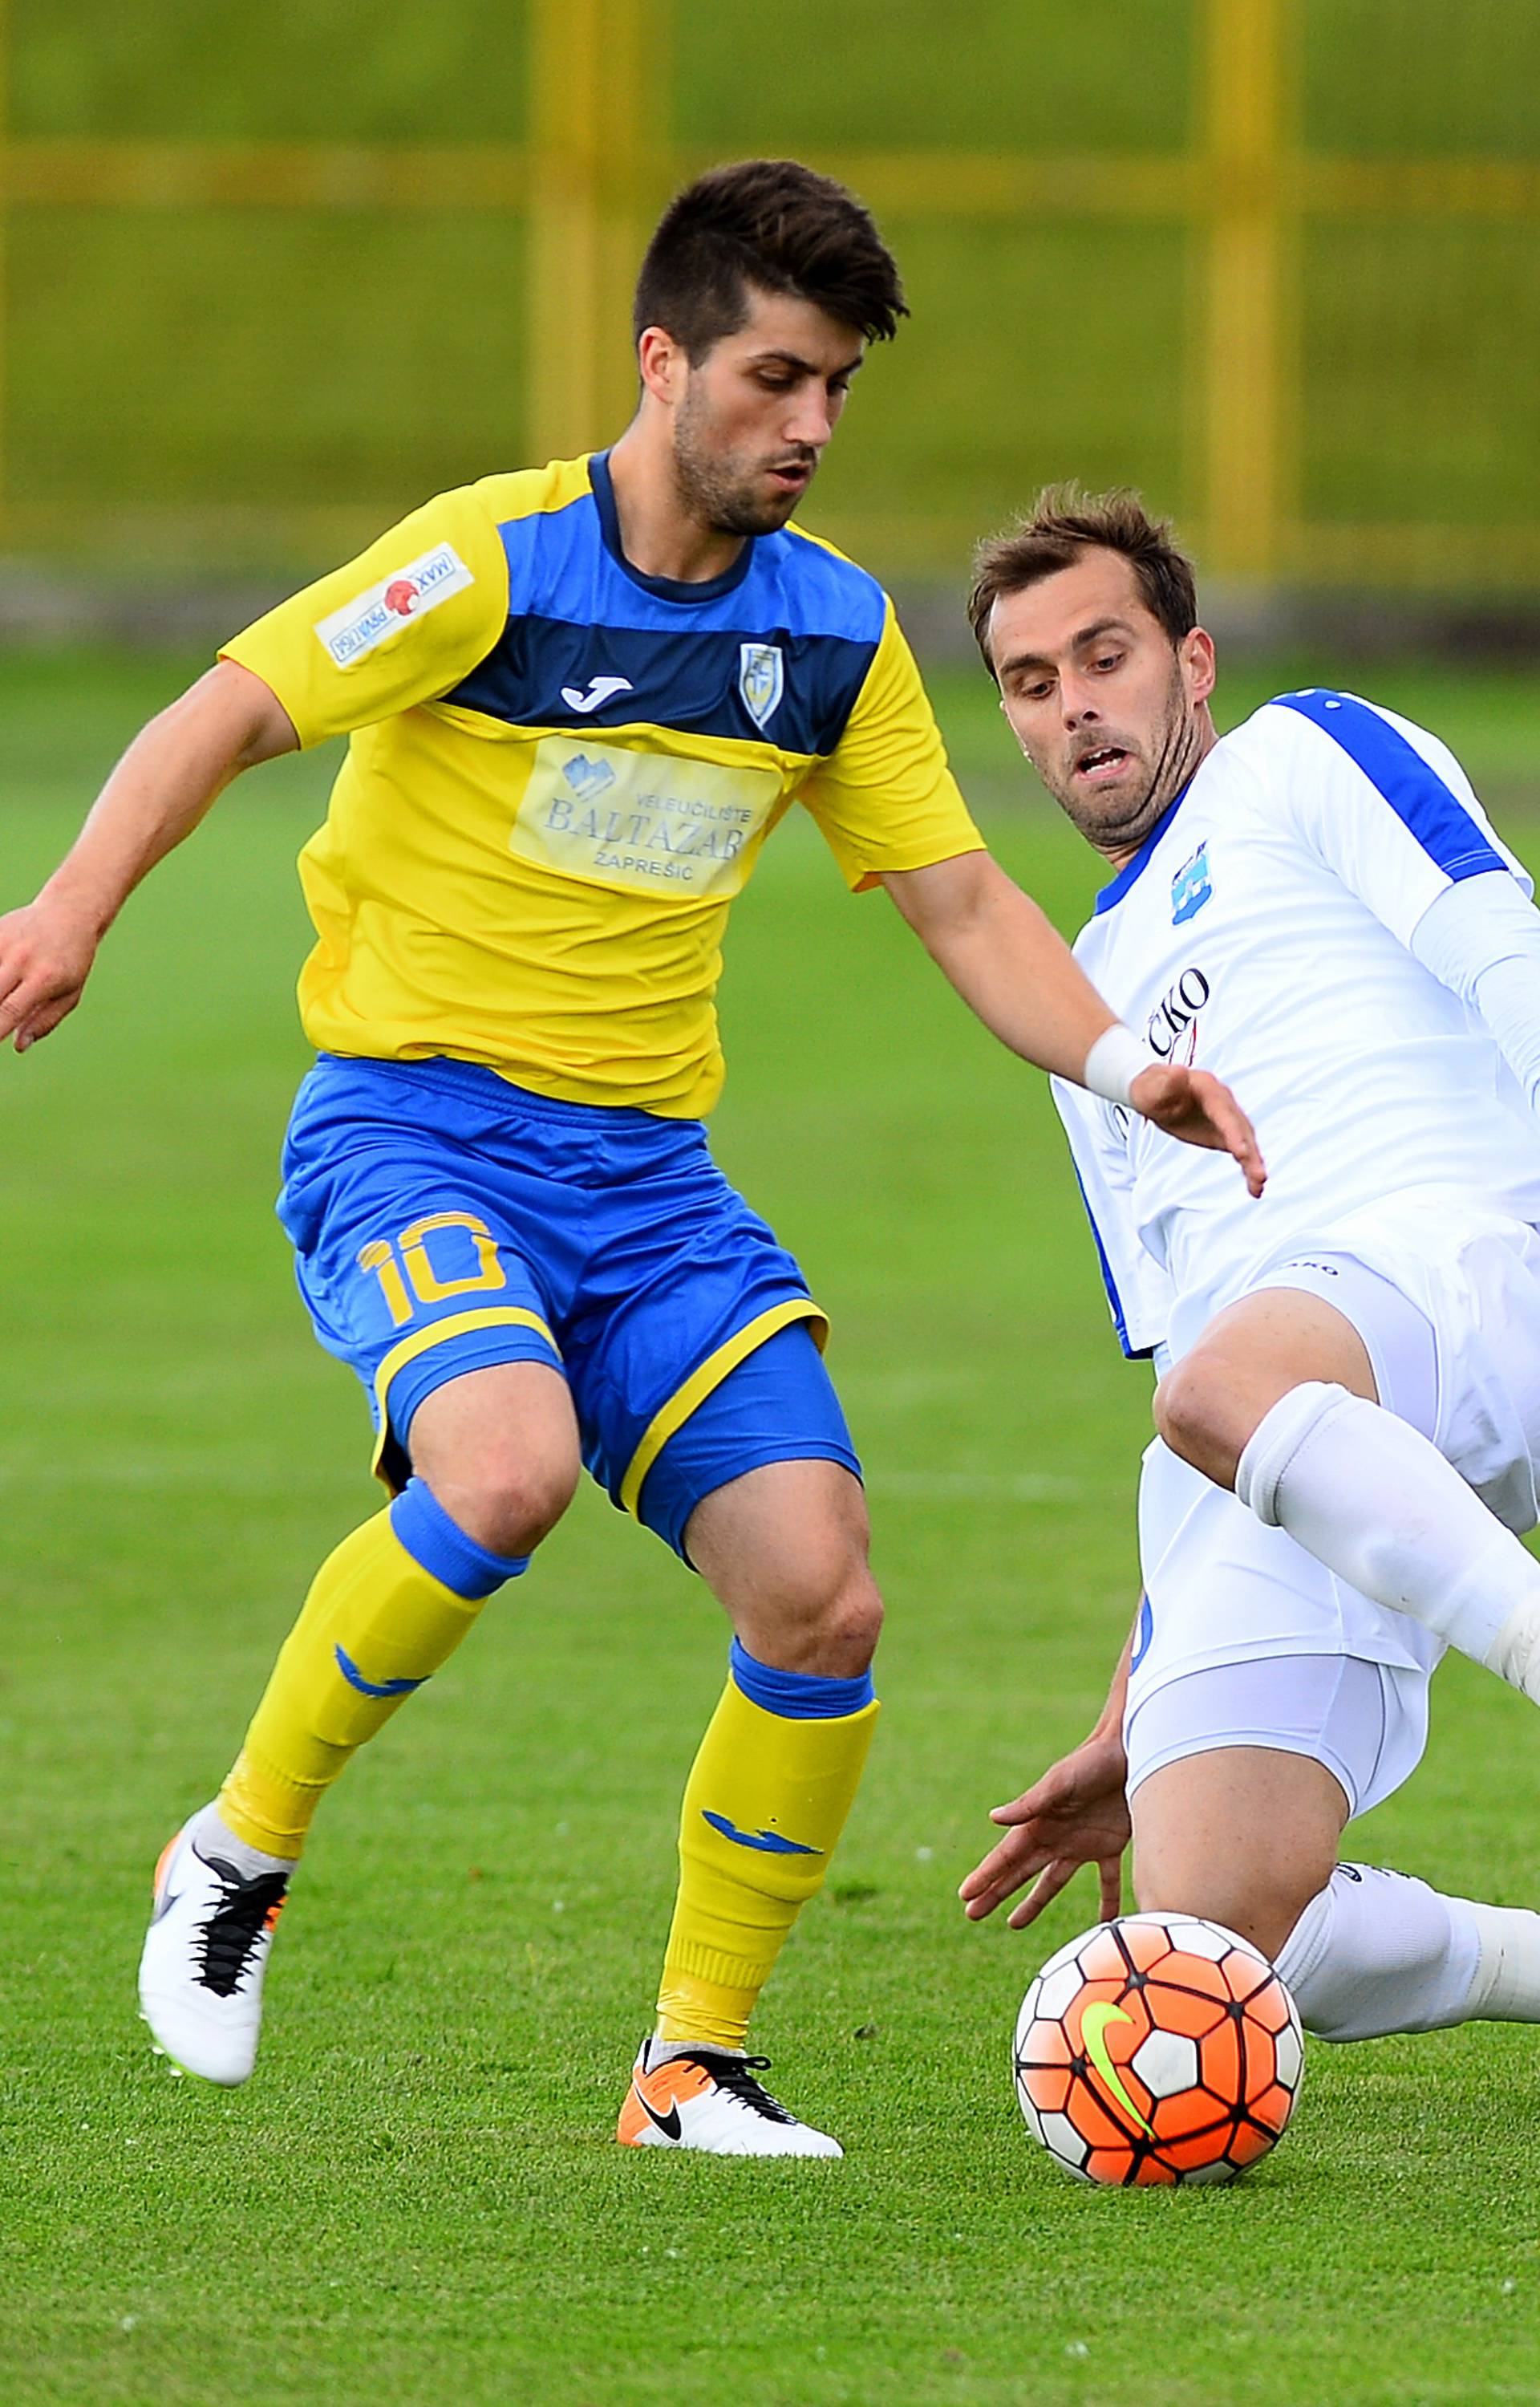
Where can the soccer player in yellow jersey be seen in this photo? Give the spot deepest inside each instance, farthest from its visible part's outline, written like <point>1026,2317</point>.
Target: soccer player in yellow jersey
<point>579,699</point>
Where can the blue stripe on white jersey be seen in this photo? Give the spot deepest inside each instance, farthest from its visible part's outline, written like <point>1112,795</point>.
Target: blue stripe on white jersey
<point>1120,1318</point>
<point>1422,801</point>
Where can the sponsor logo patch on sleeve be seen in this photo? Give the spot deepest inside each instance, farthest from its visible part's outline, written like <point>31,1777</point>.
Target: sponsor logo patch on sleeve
<point>385,608</point>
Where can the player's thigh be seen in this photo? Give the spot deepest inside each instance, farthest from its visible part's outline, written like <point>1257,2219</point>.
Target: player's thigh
<point>760,1489</point>
<point>783,1550</point>
<point>1210,1404</point>
<point>422,1260</point>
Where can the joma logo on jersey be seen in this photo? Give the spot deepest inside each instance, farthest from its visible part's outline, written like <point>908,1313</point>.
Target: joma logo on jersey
<point>761,679</point>
<point>1191,886</point>
<point>1175,1017</point>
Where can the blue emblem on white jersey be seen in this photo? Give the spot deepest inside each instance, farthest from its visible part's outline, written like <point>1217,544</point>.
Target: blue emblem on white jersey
<point>761,679</point>
<point>1191,886</point>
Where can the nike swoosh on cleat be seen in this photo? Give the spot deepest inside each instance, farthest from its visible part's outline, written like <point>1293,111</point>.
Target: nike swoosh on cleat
<point>355,1679</point>
<point>768,1843</point>
<point>668,2124</point>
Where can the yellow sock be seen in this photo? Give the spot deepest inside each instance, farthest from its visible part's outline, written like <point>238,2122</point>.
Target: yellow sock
<point>764,1807</point>
<point>376,1622</point>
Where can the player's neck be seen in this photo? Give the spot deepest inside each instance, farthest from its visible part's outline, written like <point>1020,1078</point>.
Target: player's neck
<point>1205,736</point>
<point>658,535</point>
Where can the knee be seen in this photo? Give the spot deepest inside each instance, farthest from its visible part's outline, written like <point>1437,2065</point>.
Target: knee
<point>1261,1909</point>
<point>851,1622</point>
<point>818,1617</point>
<point>1193,1419</point>
<point>507,1498</point>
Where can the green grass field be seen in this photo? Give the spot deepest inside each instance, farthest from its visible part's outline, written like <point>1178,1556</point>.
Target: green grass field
<point>419,2198</point>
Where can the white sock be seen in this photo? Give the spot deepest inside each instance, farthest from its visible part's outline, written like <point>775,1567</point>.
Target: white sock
<point>1378,1952</point>
<point>1376,1502</point>
<point>658,2051</point>
<point>213,1836</point>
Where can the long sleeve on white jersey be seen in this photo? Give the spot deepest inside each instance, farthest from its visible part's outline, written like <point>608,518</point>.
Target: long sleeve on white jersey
<point>1481,939</point>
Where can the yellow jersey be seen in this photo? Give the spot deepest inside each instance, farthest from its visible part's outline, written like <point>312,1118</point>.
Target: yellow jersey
<point>561,771</point>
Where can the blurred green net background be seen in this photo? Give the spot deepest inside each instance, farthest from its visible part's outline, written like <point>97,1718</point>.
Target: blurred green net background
<point>269,277</point>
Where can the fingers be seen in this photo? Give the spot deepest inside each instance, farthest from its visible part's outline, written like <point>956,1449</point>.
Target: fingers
<point>1053,1877</point>
<point>1200,1110</point>
<point>1239,1138</point>
<point>1000,1874</point>
<point>1112,1888</point>
<point>43,1022</point>
<point>34,1006</point>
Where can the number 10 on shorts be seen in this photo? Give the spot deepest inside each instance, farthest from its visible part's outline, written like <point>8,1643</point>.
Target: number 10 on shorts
<point>403,1263</point>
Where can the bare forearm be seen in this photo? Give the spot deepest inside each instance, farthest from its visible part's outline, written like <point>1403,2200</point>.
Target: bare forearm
<point>1110,1721</point>
<point>159,791</point>
<point>171,773</point>
<point>1020,978</point>
<point>1017,974</point>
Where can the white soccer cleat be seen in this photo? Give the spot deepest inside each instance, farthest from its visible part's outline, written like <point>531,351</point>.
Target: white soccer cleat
<point>709,2097</point>
<point>206,1954</point>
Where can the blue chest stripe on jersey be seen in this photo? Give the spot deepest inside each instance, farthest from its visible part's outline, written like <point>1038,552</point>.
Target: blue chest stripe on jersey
<point>1133,869</point>
<point>1418,795</point>
<point>1134,1353</point>
<point>689,678</point>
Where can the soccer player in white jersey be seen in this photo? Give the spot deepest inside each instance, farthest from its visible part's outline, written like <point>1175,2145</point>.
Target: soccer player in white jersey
<point>1315,908</point>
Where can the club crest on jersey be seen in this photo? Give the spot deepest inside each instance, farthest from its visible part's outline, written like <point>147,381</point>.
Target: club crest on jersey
<point>761,680</point>
<point>1191,886</point>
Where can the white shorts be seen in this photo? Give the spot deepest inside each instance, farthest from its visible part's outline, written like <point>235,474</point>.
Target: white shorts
<point>1246,1640</point>
<point>1367,1722</point>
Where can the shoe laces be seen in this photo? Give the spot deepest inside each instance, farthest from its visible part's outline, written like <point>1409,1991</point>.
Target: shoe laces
<point>736,2075</point>
<point>230,1935</point>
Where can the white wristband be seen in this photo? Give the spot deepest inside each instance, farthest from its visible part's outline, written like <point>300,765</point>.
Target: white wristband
<point>1114,1062</point>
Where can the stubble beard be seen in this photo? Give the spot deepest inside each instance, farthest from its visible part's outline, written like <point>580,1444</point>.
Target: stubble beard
<point>712,488</point>
<point>1178,752</point>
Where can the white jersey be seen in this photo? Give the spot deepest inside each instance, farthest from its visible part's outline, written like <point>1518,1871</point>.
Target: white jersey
<point>1263,931</point>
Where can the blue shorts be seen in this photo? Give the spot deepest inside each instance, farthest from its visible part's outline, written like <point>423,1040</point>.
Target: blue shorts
<point>444,1220</point>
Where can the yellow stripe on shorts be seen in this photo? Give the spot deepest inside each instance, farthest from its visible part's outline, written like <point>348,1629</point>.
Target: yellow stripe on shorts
<point>710,1375</point>
<point>491,1316</point>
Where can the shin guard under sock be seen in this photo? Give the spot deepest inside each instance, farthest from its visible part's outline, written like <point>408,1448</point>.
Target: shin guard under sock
<point>387,1608</point>
<point>764,1807</point>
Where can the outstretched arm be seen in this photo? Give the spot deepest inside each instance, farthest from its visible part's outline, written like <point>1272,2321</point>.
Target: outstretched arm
<point>1017,974</point>
<point>155,796</point>
<point>1077,1814</point>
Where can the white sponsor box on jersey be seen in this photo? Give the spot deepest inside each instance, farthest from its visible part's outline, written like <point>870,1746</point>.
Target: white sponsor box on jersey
<point>647,821</point>
<point>393,604</point>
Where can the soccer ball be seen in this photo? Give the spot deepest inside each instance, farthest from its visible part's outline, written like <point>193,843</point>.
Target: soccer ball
<point>1157,2048</point>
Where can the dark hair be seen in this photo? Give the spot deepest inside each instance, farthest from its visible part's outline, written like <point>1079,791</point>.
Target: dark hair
<point>1065,521</point>
<point>773,223</point>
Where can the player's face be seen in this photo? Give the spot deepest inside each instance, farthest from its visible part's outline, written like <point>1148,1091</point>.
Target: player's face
<point>752,419</point>
<point>1110,713</point>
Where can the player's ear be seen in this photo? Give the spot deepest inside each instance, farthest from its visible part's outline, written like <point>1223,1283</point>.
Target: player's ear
<point>662,365</point>
<point>1198,666</point>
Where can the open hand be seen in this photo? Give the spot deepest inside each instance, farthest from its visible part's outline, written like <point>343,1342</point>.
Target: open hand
<point>46,953</point>
<point>1077,1814</point>
<point>1196,1107</point>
